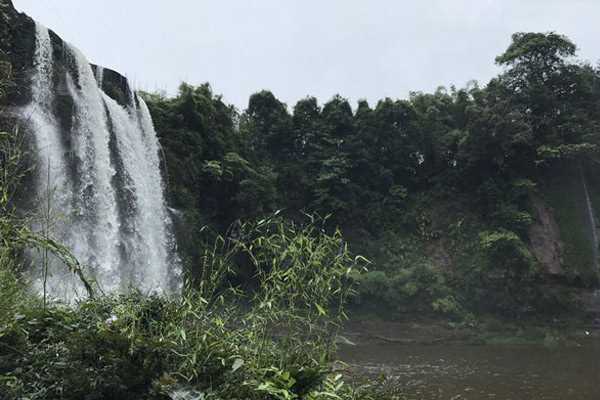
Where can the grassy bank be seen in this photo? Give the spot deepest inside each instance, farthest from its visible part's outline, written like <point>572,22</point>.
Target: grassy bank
<point>275,340</point>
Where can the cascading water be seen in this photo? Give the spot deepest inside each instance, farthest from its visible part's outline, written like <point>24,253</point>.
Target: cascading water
<point>145,240</point>
<point>593,232</point>
<point>112,208</point>
<point>51,165</point>
<point>95,200</point>
<point>54,191</point>
<point>99,75</point>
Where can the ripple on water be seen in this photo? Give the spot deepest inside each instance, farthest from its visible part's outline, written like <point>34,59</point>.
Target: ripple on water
<point>465,372</point>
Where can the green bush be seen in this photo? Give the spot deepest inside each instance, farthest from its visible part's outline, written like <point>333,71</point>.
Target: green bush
<point>274,342</point>
<point>421,288</point>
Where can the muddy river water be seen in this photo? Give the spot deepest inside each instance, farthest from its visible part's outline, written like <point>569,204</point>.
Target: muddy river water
<point>454,371</point>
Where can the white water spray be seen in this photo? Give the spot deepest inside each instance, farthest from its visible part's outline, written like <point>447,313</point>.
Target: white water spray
<point>47,134</point>
<point>54,191</point>
<point>115,220</point>
<point>99,75</point>
<point>147,241</point>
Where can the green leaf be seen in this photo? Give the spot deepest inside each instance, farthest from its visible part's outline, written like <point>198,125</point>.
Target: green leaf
<point>320,309</point>
<point>237,364</point>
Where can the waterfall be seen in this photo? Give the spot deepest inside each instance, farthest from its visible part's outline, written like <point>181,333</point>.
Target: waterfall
<point>113,212</point>
<point>591,219</point>
<point>95,197</point>
<point>146,240</point>
<point>51,166</point>
<point>99,75</point>
<point>54,190</point>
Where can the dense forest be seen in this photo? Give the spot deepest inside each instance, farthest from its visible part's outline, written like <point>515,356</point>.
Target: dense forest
<point>441,191</point>
<point>462,206</point>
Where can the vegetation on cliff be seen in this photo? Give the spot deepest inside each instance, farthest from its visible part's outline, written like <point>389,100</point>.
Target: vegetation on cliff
<point>437,190</point>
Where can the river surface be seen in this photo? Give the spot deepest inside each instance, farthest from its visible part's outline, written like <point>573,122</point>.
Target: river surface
<point>459,371</point>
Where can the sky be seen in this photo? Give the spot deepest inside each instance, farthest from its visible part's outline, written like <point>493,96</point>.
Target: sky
<point>360,49</point>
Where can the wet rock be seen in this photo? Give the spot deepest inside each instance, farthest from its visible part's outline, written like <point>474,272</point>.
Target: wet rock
<point>17,45</point>
<point>17,48</point>
<point>116,86</point>
<point>544,235</point>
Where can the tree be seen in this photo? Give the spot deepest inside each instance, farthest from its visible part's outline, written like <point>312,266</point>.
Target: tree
<point>498,139</point>
<point>541,82</point>
<point>268,127</point>
<point>297,178</point>
<point>333,191</point>
<point>535,56</point>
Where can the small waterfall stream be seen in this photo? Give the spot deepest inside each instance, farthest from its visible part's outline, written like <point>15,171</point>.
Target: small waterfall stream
<point>591,219</point>
<point>146,246</point>
<point>112,212</point>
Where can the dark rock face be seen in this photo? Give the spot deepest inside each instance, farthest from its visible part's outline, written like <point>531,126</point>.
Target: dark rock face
<point>17,49</point>
<point>17,46</point>
<point>544,235</point>
<point>115,85</point>
<point>7,3</point>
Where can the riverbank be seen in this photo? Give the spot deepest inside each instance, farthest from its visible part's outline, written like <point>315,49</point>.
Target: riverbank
<point>411,330</point>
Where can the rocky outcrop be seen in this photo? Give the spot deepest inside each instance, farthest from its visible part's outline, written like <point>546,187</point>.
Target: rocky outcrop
<point>17,47</point>
<point>544,236</point>
<point>564,235</point>
<point>115,85</point>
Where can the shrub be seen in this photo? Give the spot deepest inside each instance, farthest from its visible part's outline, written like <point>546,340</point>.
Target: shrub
<point>273,342</point>
<point>420,288</point>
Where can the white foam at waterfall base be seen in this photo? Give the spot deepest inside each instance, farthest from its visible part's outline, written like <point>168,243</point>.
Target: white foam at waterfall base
<point>88,201</point>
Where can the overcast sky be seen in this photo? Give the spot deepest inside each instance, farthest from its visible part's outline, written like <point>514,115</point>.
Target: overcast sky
<point>358,48</point>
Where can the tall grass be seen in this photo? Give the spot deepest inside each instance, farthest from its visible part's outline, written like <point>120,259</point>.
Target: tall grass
<point>273,341</point>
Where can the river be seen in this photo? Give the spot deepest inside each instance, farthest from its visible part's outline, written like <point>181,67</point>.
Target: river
<point>455,370</point>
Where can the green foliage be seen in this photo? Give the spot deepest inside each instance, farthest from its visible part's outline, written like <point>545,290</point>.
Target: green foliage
<point>397,168</point>
<point>511,283</point>
<point>403,278</point>
<point>6,80</point>
<point>11,291</point>
<point>194,128</point>
<point>276,341</point>
<point>251,191</point>
<point>421,288</point>
<point>537,50</point>
<point>516,259</point>
<point>566,152</point>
